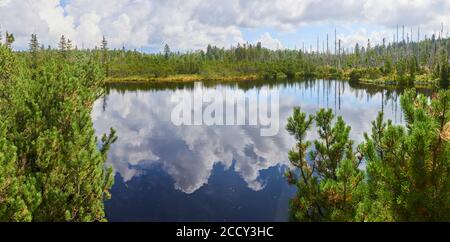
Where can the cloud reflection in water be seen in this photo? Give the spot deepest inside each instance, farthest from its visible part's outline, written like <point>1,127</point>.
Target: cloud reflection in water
<point>189,153</point>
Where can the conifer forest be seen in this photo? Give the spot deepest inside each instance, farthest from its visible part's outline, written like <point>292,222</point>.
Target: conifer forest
<point>364,130</point>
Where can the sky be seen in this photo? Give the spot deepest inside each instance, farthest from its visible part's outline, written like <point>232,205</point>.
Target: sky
<point>185,25</point>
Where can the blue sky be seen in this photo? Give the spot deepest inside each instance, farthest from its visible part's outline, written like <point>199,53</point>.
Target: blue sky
<point>192,24</point>
<point>63,2</point>
<point>308,34</point>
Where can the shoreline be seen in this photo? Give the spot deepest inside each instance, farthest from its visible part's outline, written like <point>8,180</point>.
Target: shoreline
<point>187,78</point>
<point>178,79</point>
<point>387,83</point>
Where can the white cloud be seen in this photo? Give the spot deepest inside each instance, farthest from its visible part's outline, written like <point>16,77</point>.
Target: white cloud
<point>188,153</point>
<point>192,24</point>
<point>4,2</point>
<point>362,37</point>
<point>88,29</point>
<point>269,42</point>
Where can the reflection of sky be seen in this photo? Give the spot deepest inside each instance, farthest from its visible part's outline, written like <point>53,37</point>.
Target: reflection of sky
<point>225,197</point>
<point>189,154</point>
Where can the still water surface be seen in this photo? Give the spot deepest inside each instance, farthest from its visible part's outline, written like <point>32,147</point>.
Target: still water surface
<point>216,173</point>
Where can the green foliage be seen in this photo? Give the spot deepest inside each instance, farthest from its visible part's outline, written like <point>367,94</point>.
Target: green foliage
<point>105,56</point>
<point>400,62</point>
<point>328,182</point>
<point>356,75</point>
<point>387,67</point>
<point>401,71</point>
<point>444,66</point>
<point>412,68</point>
<point>17,192</point>
<point>166,51</point>
<point>407,167</point>
<point>9,39</point>
<point>8,71</point>
<point>51,166</point>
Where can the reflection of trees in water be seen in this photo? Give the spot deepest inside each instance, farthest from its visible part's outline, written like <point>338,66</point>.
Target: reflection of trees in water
<point>141,113</point>
<point>242,85</point>
<point>339,86</point>
<point>130,87</point>
<point>328,93</point>
<point>390,95</point>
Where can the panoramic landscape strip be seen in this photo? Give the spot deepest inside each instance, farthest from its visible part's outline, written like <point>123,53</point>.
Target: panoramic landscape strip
<point>323,132</point>
<point>52,169</point>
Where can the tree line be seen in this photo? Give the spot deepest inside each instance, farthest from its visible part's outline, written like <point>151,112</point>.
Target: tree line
<point>402,61</point>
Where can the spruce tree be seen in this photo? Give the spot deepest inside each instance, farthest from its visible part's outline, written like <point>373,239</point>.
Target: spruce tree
<point>34,49</point>
<point>69,45</point>
<point>9,39</point>
<point>166,51</point>
<point>105,55</point>
<point>62,44</point>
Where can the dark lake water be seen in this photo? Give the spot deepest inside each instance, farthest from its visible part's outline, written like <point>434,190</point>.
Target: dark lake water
<point>166,172</point>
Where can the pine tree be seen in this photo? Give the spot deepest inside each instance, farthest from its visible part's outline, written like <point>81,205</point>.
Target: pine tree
<point>16,190</point>
<point>8,69</point>
<point>412,69</point>
<point>52,168</point>
<point>408,168</point>
<point>306,205</point>
<point>336,166</point>
<point>328,183</point>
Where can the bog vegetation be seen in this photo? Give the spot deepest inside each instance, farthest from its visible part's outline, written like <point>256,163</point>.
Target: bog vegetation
<point>52,167</point>
<point>406,168</point>
<point>403,62</point>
